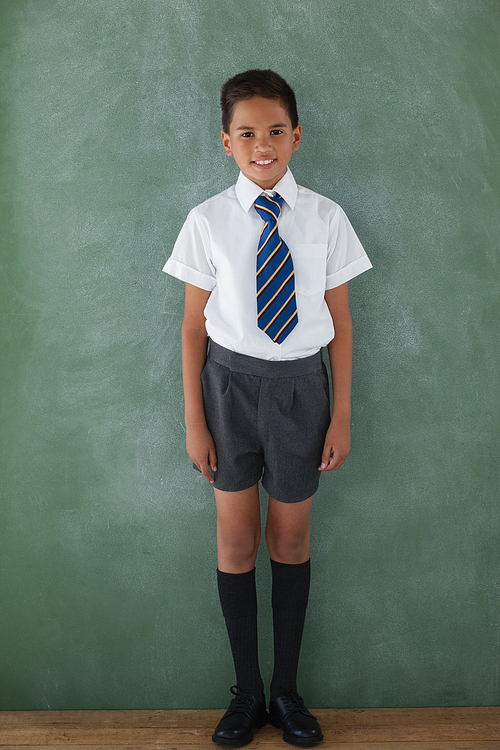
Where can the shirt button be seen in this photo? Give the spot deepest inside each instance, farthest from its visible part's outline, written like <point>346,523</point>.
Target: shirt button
<point>274,359</point>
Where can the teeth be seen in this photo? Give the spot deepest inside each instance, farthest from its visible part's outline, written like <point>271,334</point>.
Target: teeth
<point>266,161</point>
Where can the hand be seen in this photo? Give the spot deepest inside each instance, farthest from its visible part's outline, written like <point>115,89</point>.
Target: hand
<point>201,449</point>
<point>337,445</point>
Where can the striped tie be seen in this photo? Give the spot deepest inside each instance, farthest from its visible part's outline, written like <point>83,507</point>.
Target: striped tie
<point>276,305</point>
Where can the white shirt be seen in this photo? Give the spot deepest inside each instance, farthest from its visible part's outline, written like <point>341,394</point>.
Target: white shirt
<point>216,250</point>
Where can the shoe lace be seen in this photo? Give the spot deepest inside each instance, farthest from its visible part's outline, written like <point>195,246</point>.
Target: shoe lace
<point>241,703</point>
<point>292,701</point>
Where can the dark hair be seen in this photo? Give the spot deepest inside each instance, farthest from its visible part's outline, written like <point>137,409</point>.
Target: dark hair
<point>265,83</point>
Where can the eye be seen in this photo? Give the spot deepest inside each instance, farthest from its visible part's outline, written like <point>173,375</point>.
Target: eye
<point>276,132</point>
<point>248,134</point>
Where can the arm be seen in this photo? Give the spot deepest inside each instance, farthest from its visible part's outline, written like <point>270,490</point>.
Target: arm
<point>199,443</point>
<point>338,437</point>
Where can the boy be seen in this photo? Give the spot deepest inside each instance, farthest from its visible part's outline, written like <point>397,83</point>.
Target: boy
<point>266,265</point>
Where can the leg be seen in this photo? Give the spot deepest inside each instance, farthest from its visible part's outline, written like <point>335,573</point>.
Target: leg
<point>287,531</point>
<point>238,537</point>
<point>287,534</point>
<point>238,529</point>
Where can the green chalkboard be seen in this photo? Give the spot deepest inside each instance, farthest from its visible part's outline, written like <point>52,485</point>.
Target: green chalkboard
<point>110,133</point>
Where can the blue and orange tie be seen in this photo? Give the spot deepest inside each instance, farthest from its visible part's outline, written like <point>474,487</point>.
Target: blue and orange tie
<point>276,304</point>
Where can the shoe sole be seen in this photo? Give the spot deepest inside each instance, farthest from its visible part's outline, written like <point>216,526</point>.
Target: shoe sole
<point>242,741</point>
<point>302,743</point>
<point>294,740</point>
<point>233,743</point>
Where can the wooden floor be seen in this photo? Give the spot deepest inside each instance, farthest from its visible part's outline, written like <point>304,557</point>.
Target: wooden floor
<point>345,729</point>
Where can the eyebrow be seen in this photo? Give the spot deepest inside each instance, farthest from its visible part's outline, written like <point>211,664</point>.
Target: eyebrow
<point>248,127</point>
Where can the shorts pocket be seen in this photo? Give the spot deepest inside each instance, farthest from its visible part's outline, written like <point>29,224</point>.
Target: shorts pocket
<point>326,382</point>
<point>215,379</point>
<point>309,262</point>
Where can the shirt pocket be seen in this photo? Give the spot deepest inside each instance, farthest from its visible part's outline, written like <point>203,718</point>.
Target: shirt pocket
<point>309,262</point>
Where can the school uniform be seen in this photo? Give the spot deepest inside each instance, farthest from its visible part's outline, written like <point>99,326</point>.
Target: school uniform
<point>216,250</point>
<point>266,404</point>
<point>267,408</point>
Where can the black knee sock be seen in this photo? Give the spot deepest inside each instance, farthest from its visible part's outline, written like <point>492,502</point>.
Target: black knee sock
<point>238,598</point>
<point>290,596</point>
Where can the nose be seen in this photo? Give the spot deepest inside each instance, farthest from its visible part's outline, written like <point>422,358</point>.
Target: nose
<point>262,143</point>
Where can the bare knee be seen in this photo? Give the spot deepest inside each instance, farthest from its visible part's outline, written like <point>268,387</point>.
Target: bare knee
<point>237,549</point>
<point>288,546</point>
<point>238,529</point>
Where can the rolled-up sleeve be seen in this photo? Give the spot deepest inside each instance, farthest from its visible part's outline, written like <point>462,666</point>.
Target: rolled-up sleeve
<point>191,257</point>
<point>346,257</point>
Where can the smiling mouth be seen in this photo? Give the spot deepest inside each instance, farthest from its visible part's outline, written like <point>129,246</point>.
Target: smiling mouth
<point>264,162</point>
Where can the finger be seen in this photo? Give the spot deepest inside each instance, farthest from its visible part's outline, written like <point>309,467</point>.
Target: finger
<point>212,459</point>
<point>203,467</point>
<point>326,458</point>
<point>336,462</point>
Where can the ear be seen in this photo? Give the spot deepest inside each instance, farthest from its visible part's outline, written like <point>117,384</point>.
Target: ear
<point>226,142</point>
<point>297,135</point>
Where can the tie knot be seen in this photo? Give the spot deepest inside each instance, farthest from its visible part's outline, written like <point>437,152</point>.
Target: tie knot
<point>268,207</point>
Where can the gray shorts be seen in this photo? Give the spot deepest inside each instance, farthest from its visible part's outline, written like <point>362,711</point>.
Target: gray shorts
<point>268,421</point>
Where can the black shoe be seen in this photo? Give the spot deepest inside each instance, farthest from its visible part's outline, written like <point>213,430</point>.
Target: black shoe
<point>245,713</point>
<point>299,726</point>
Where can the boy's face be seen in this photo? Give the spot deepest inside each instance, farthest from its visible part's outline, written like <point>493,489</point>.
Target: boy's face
<point>261,139</point>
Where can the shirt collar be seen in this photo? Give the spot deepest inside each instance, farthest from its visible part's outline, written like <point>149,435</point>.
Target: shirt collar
<point>247,191</point>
